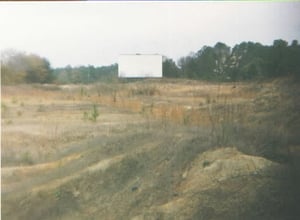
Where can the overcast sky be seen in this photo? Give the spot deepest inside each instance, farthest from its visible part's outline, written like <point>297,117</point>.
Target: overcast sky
<point>83,33</point>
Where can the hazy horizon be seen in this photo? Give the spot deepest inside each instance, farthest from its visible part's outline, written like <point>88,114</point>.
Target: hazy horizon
<point>95,33</point>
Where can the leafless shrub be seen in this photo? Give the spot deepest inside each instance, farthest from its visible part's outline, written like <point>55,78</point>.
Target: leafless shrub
<point>145,91</point>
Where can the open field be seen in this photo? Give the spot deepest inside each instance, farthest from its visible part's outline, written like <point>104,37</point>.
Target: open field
<point>151,149</point>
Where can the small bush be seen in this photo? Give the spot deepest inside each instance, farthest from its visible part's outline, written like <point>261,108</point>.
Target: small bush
<point>4,109</point>
<point>146,91</point>
<point>206,163</point>
<point>26,158</point>
<point>14,100</point>
<point>95,113</point>
<point>19,113</point>
<point>85,115</point>
<point>83,92</point>
<point>92,115</point>
<point>9,122</point>
<point>225,119</point>
<point>41,108</point>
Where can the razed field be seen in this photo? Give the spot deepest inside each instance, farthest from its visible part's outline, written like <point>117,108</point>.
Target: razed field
<point>151,149</point>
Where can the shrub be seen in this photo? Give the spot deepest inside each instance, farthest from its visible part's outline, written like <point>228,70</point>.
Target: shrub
<point>26,158</point>
<point>145,91</point>
<point>4,109</point>
<point>92,115</point>
<point>95,113</point>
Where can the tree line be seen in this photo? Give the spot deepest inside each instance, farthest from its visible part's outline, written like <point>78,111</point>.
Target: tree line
<point>85,74</point>
<point>19,67</point>
<point>245,61</point>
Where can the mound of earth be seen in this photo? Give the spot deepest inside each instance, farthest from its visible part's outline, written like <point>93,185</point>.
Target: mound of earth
<point>152,152</point>
<point>220,183</point>
<point>225,184</point>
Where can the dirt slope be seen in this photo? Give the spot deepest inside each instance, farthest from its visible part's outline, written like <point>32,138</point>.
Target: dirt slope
<point>199,151</point>
<point>173,178</point>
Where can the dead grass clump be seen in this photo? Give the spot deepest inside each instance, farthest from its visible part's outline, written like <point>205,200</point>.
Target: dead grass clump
<point>225,119</point>
<point>45,205</point>
<point>274,123</point>
<point>4,110</point>
<point>133,105</point>
<point>41,108</point>
<point>106,89</point>
<point>145,91</point>
<point>177,114</point>
<point>14,100</point>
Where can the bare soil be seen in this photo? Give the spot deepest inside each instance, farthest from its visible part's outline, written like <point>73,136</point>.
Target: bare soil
<point>159,149</point>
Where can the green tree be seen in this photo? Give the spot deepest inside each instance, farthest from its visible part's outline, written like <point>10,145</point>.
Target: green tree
<point>294,57</point>
<point>279,58</point>
<point>170,69</point>
<point>222,53</point>
<point>206,63</point>
<point>248,61</point>
<point>86,74</point>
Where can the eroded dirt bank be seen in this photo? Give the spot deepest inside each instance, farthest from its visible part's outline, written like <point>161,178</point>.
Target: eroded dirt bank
<point>155,150</point>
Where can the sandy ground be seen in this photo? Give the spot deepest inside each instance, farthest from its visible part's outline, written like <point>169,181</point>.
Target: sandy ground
<point>152,153</point>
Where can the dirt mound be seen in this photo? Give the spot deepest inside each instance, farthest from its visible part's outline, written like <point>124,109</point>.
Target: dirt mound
<point>220,184</point>
<point>150,155</point>
<point>213,167</point>
<point>173,178</point>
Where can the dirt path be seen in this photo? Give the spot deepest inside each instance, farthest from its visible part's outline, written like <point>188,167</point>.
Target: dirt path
<point>150,154</point>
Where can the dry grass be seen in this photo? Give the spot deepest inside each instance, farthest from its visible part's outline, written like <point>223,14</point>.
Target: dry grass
<point>144,155</point>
